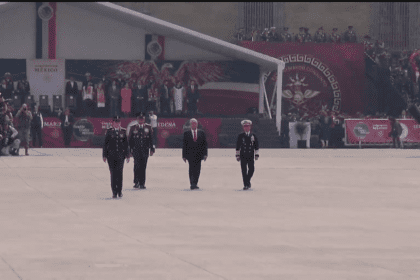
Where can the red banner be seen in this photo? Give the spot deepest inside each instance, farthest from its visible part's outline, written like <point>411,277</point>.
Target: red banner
<point>377,130</point>
<point>87,130</point>
<point>317,76</point>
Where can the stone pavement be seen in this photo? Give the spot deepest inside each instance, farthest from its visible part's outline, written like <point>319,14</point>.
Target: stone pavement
<point>311,214</point>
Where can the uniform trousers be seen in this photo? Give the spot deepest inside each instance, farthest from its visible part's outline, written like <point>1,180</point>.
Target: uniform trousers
<point>116,166</point>
<point>140,164</point>
<point>194,170</point>
<point>247,167</point>
<point>36,132</point>
<point>67,133</point>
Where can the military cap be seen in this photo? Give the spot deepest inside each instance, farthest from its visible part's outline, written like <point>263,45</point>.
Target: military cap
<point>246,122</point>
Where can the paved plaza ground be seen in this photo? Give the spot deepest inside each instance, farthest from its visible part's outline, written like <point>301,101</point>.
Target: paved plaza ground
<point>311,214</point>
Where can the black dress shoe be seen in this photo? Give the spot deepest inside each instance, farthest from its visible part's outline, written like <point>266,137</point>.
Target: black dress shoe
<point>249,186</point>
<point>143,187</point>
<point>120,194</point>
<point>195,188</point>
<point>136,186</point>
<point>114,196</point>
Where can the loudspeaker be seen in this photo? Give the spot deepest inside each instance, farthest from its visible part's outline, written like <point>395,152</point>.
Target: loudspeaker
<point>17,102</point>
<point>415,112</point>
<point>71,101</point>
<point>57,102</point>
<point>29,100</point>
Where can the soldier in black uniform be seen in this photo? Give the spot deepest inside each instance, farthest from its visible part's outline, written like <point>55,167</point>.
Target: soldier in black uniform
<point>115,151</point>
<point>246,149</point>
<point>141,141</point>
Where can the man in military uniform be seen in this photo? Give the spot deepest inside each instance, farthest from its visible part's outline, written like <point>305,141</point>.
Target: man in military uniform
<point>246,150</point>
<point>115,151</point>
<point>140,139</point>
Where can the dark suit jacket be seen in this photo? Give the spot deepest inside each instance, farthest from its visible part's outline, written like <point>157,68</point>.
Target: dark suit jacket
<point>193,95</point>
<point>72,90</point>
<point>114,95</point>
<point>194,150</point>
<point>62,118</point>
<point>140,93</point>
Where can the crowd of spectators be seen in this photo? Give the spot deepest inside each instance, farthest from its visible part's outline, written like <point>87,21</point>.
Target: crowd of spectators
<point>327,128</point>
<point>304,35</point>
<point>106,98</point>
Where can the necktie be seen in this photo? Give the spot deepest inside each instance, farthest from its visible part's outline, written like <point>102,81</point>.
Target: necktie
<point>195,136</point>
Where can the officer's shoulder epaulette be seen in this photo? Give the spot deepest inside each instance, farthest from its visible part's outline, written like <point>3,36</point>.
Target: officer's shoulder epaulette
<point>122,128</point>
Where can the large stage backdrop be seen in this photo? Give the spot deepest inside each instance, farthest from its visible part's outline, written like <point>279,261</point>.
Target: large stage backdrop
<point>90,132</point>
<point>317,76</point>
<point>226,87</point>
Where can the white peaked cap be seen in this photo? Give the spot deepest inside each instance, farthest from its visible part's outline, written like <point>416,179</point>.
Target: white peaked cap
<point>245,122</point>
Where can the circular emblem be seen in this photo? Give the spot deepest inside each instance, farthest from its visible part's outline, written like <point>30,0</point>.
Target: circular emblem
<point>361,130</point>
<point>83,130</point>
<point>55,133</point>
<point>45,12</point>
<point>154,49</point>
<point>164,134</point>
<point>146,130</point>
<point>404,132</point>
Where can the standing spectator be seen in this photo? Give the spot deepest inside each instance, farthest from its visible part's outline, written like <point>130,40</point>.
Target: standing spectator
<point>10,87</point>
<point>165,98</point>
<point>88,103</point>
<point>325,123</point>
<point>72,91</point>
<point>114,95</point>
<point>100,100</point>
<point>179,95</point>
<point>4,91</point>
<point>21,92</point>
<point>193,96</point>
<point>37,125</point>
<point>194,149</point>
<point>25,118</point>
<point>396,130</point>
<point>67,121</point>
<point>139,97</point>
<point>126,100</point>
<point>26,85</point>
<point>120,81</point>
<point>87,80</point>
<point>154,124</point>
<point>153,99</point>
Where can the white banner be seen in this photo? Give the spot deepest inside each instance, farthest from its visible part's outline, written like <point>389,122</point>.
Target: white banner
<point>46,77</point>
<point>294,137</point>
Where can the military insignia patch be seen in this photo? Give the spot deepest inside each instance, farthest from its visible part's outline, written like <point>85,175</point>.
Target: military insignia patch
<point>146,130</point>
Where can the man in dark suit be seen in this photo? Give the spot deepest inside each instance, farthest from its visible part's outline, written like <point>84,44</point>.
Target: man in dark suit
<point>140,97</point>
<point>67,121</point>
<point>194,150</point>
<point>165,98</point>
<point>115,150</point>
<point>140,139</point>
<point>114,96</point>
<point>192,98</point>
<point>72,92</point>
<point>246,149</point>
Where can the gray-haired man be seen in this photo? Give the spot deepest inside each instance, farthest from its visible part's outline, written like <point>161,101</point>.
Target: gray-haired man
<point>194,149</point>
